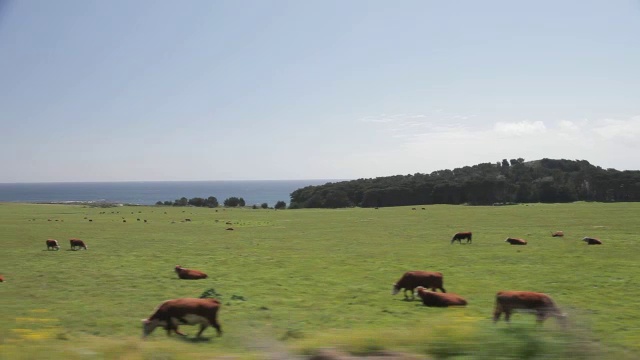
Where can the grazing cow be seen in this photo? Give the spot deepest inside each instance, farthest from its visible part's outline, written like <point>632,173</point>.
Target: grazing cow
<point>412,279</point>
<point>592,241</point>
<point>515,241</point>
<point>77,243</point>
<point>431,298</point>
<point>461,235</point>
<point>185,311</point>
<point>526,301</point>
<point>52,244</point>
<point>188,274</point>
<point>557,234</point>
<point>1,278</point>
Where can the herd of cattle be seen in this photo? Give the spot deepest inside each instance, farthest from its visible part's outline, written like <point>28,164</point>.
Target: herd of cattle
<point>195,311</point>
<point>507,302</point>
<point>76,244</point>
<point>517,241</point>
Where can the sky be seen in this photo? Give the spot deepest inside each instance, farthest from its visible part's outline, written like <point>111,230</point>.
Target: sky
<point>159,90</point>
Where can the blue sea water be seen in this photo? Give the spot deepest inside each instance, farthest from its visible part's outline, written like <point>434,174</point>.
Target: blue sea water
<point>148,193</point>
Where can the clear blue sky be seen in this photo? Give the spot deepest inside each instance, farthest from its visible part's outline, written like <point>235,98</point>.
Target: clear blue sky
<point>242,90</point>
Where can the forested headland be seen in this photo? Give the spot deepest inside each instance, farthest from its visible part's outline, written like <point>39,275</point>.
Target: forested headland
<point>506,182</point>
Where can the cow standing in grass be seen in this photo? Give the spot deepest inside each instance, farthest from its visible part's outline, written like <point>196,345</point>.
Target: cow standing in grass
<point>412,279</point>
<point>52,244</point>
<point>592,241</point>
<point>188,274</point>
<point>435,299</point>
<point>526,301</point>
<point>185,311</point>
<point>461,236</point>
<point>77,244</point>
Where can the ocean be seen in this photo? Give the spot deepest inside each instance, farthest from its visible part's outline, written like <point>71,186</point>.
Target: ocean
<point>150,192</point>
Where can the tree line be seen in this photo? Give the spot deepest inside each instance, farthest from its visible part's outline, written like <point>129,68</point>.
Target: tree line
<point>503,182</point>
<point>212,202</point>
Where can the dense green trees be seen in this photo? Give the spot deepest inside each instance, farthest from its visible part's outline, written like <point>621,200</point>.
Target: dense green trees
<point>506,181</point>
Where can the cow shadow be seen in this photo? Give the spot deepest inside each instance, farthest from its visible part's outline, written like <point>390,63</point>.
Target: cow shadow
<point>406,300</point>
<point>195,340</point>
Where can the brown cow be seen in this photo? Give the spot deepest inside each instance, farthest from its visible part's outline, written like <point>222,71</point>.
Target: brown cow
<point>185,311</point>
<point>592,241</point>
<point>460,236</point>
<point>557,234</point>
<point>1,278</point>
<point>515,241</point>
<point>77,243</point>
<point>188,274</point>
<point>432,298</point>
<point>52,244</point>
<point>527,301</point>
<point>412,279</point>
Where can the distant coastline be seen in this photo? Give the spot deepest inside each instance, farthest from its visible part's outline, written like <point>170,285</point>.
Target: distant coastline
<point>149,192</point>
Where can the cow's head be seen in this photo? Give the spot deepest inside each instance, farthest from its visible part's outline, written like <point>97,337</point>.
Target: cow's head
<point>148,326</point>
<point>507,240</point>
<point>418,290</point>
<point>178,268</point>
<point>395,289</point>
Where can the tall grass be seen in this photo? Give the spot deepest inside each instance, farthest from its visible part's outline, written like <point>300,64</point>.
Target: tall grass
<point>294,281</point>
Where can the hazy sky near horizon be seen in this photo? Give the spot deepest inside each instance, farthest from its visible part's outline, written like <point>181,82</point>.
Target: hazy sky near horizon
<point>321,89</point>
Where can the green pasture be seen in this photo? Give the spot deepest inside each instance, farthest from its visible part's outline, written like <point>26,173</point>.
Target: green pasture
<point>294,281</point>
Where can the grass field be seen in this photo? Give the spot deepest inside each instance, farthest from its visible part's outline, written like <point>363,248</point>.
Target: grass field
<point>294,281</point>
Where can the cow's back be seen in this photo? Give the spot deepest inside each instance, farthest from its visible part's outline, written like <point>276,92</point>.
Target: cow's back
<point>178,308</point>
<point>524,300</point>
<point>413,279</point>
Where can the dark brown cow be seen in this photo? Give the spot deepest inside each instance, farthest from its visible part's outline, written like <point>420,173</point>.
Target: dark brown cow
<point>432,298</point>
<point>592,241</point>
<point>515,241</point>
<point>412,279</point>
<point>52,244</point>
<point>460,236</point>
<point>557,234</point>
<point>77,243</point>
<point>526,301</point>
<point>185,311</point>
<point>188,274</point>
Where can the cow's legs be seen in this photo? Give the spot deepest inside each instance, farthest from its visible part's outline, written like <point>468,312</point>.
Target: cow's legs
<point>202,327</point>
<point>405,294</point>
<point>496,314</point>
<point>214,323</point>
<point>175,329</point>
<point>507,315</point>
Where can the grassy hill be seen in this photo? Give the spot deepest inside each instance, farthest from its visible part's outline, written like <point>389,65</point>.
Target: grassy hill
<point>293,281</point>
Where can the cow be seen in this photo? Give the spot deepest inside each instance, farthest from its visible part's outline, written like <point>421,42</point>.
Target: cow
<point>557,234</point>
<point>432,298</point>
<point>592,241</point>
<point>184,311</point>
<point>52,244</point>
<point>188,274</point>
<point>461,235</point>
<point>1,278</point>
<point>515,241</point>
<point>412,279</point>
<point>526,301</point>
<point>77,243</point>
